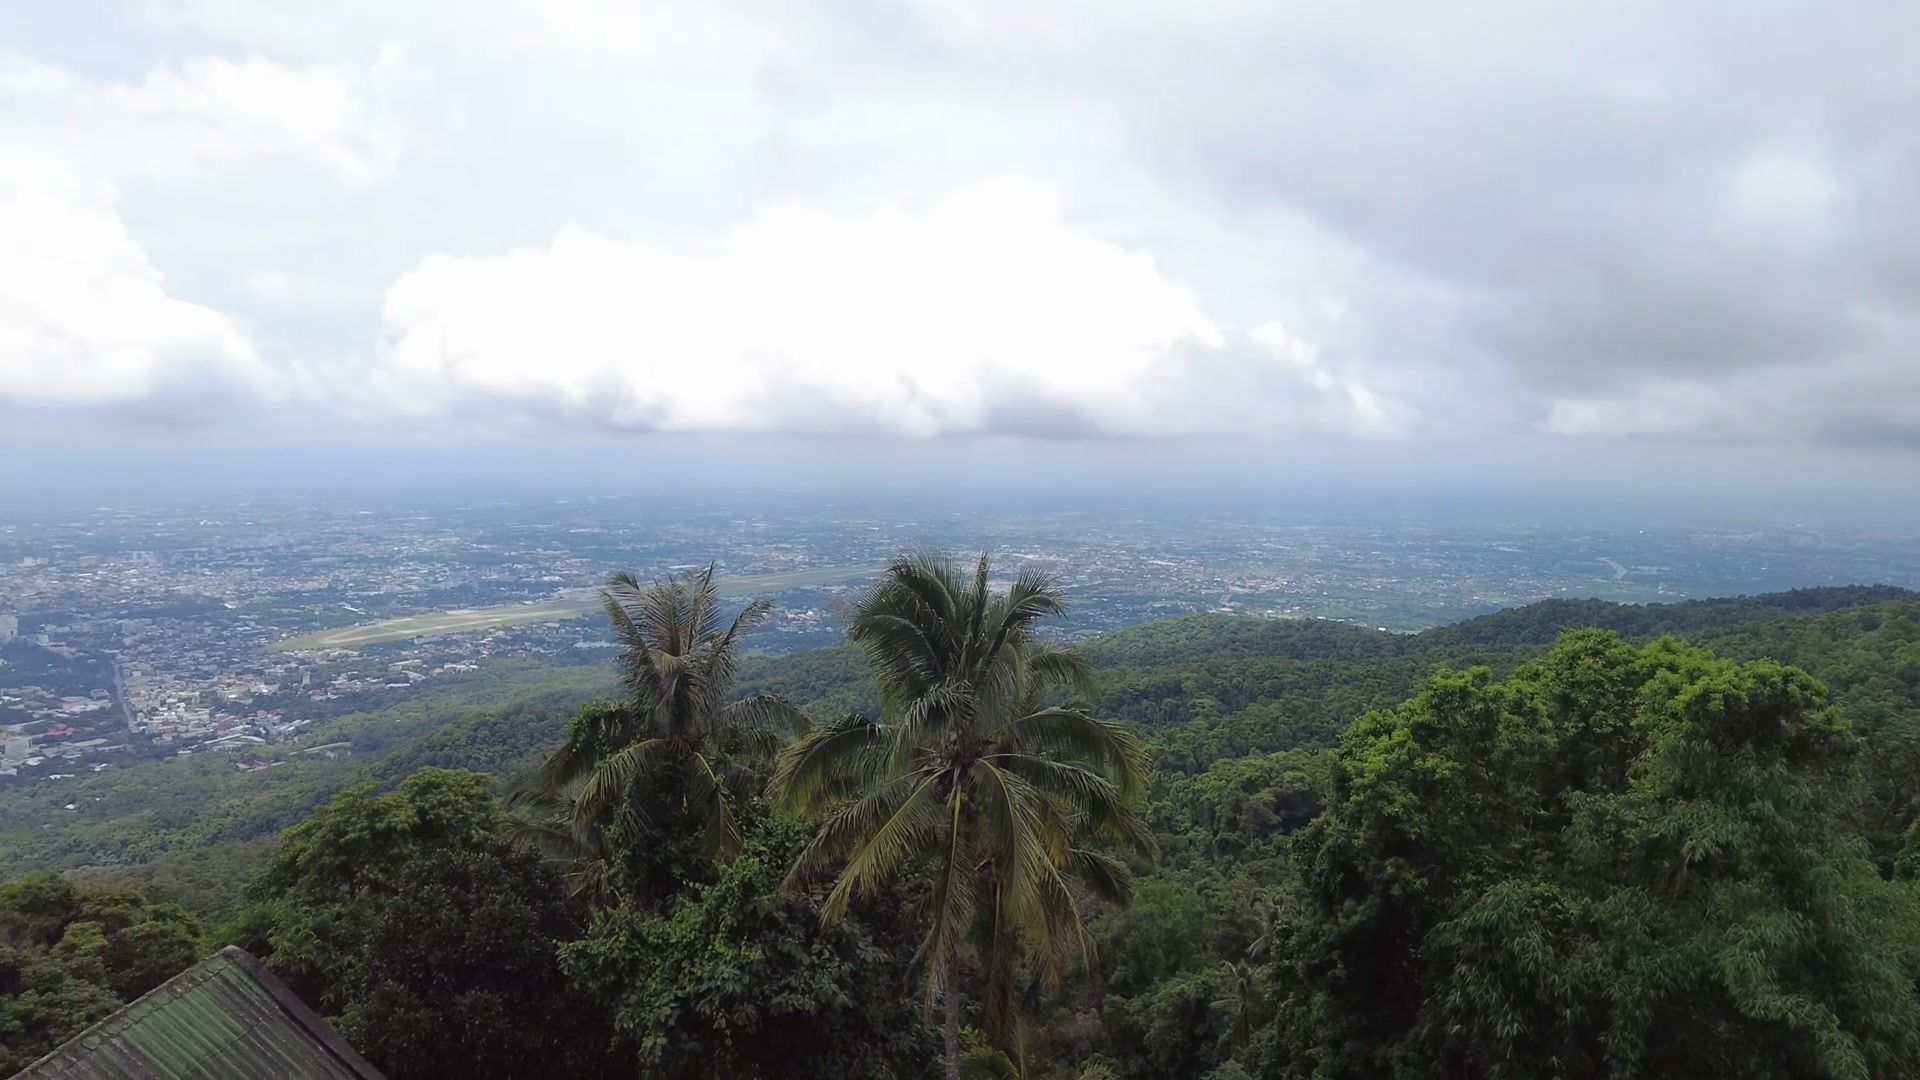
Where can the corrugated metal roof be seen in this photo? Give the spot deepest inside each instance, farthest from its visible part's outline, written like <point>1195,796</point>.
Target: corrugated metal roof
<point>225,1018</point>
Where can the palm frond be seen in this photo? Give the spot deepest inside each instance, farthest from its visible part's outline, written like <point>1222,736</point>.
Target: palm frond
<point>1095,798</point>
<point>1074,734</point>
<point>750,616</point>
<point>927,719</point>
<point>612,778</point>
<point>621,599</point>
<point>920,589</point>
<point>848,826</point>
<point>902,654</point>
<point>822,766</point>
<point>977,602</point>
<point>758,725</point>
<point>1052,666</point>
<point>955,900</point>
<point>1033,596</point>
<point>707,791</point>
<point>1106,877</point>
<point>589,734</point>
<point>1061,934</point>
<point>1012,844</point>
<point>883,832</point>
<point>666,612</point>
<point>1000,954</point>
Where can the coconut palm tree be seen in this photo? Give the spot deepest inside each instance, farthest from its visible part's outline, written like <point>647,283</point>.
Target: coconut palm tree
<point>1242,1004</point>
<point>678,744</point>
<point>1270,917</point>
<point>986,775</point>
<point>548,822</point>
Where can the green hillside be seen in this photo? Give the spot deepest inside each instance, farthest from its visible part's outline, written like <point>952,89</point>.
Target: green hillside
<point>1207,686</point>
<point>1509,846</point>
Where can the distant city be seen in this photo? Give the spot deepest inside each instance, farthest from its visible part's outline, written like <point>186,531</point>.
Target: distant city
<point>129,633</point>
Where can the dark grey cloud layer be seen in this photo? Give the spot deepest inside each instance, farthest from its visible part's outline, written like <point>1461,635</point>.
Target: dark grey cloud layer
<point>1602,201</point>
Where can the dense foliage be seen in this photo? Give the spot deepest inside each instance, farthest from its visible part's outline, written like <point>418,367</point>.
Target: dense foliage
<point>414,921</point>
<point>739,978</point>
<point>1483,850</point>
<point>70,953</point>
<point>1620,861</point>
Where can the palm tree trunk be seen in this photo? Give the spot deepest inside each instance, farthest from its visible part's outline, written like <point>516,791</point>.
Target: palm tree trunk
<point>950,1030</point>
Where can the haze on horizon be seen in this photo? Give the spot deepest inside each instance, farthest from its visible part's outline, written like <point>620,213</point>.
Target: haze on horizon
<point>1145,246</point>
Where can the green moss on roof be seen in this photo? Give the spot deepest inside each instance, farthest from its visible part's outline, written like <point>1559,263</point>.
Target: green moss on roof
<point>225,1017</point>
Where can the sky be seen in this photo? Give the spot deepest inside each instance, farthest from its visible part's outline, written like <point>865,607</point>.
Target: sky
<point>1162,242</point>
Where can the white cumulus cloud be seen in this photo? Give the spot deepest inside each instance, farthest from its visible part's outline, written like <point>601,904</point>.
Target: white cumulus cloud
<point>86,317</point>
<point>982,312</point>
<point>208,114</point>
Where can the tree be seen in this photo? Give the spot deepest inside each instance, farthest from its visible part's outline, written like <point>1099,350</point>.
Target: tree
<point>1176,1029</point>
<point>1168,929</point>
<point>72,952</point>
<point>737,979</point>
<point>979,777</point>
<point>414,922</point>
<point>667,771</point>
<point>1242,1003</point>
<point>1623,861</point>
<point>1024,1056</point>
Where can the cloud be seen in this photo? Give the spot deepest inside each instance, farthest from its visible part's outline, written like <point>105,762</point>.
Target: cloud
<point>1574,224</point>
<point>1550,208</point>
<point>86,318</point>
<point>983,312</point>
<point>181,123</point>
<point>1666,408</point>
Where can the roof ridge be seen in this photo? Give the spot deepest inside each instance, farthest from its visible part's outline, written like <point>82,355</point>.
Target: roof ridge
<point>303,1015</point>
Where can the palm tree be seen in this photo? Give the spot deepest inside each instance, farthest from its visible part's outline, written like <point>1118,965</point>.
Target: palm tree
<point>548,820</point>
<point>981,776</point>
<point>1024,1057</point>
<point>1270,916</point>
<point>1242,1004</point>
<point>678,743</point>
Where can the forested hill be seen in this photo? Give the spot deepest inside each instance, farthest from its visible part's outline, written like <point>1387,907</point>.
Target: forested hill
<point>1197,639</point>
<point>832,681</point>
<point>1586,819</point>
<point>1306,680</point>
<point>1209,686</point>
<point>1541,623</point>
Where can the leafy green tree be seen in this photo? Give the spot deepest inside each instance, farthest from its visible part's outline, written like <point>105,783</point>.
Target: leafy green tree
<point>665,775</point>
<point>1168,929</point>
<point>414,921</point>
<point>72,952</point>
<point>1870,657</point>
<point>738,979</point>
<point>1622,861</point>
<point>1239,810</point>
<point>979,778</point>
<point>1173,1029</point>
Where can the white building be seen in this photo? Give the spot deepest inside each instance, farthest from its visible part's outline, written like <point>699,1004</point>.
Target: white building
<point>9,628</point>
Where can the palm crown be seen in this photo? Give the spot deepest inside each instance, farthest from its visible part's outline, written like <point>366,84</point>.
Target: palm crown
<point>678,742</point>
<point>986,775</point>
